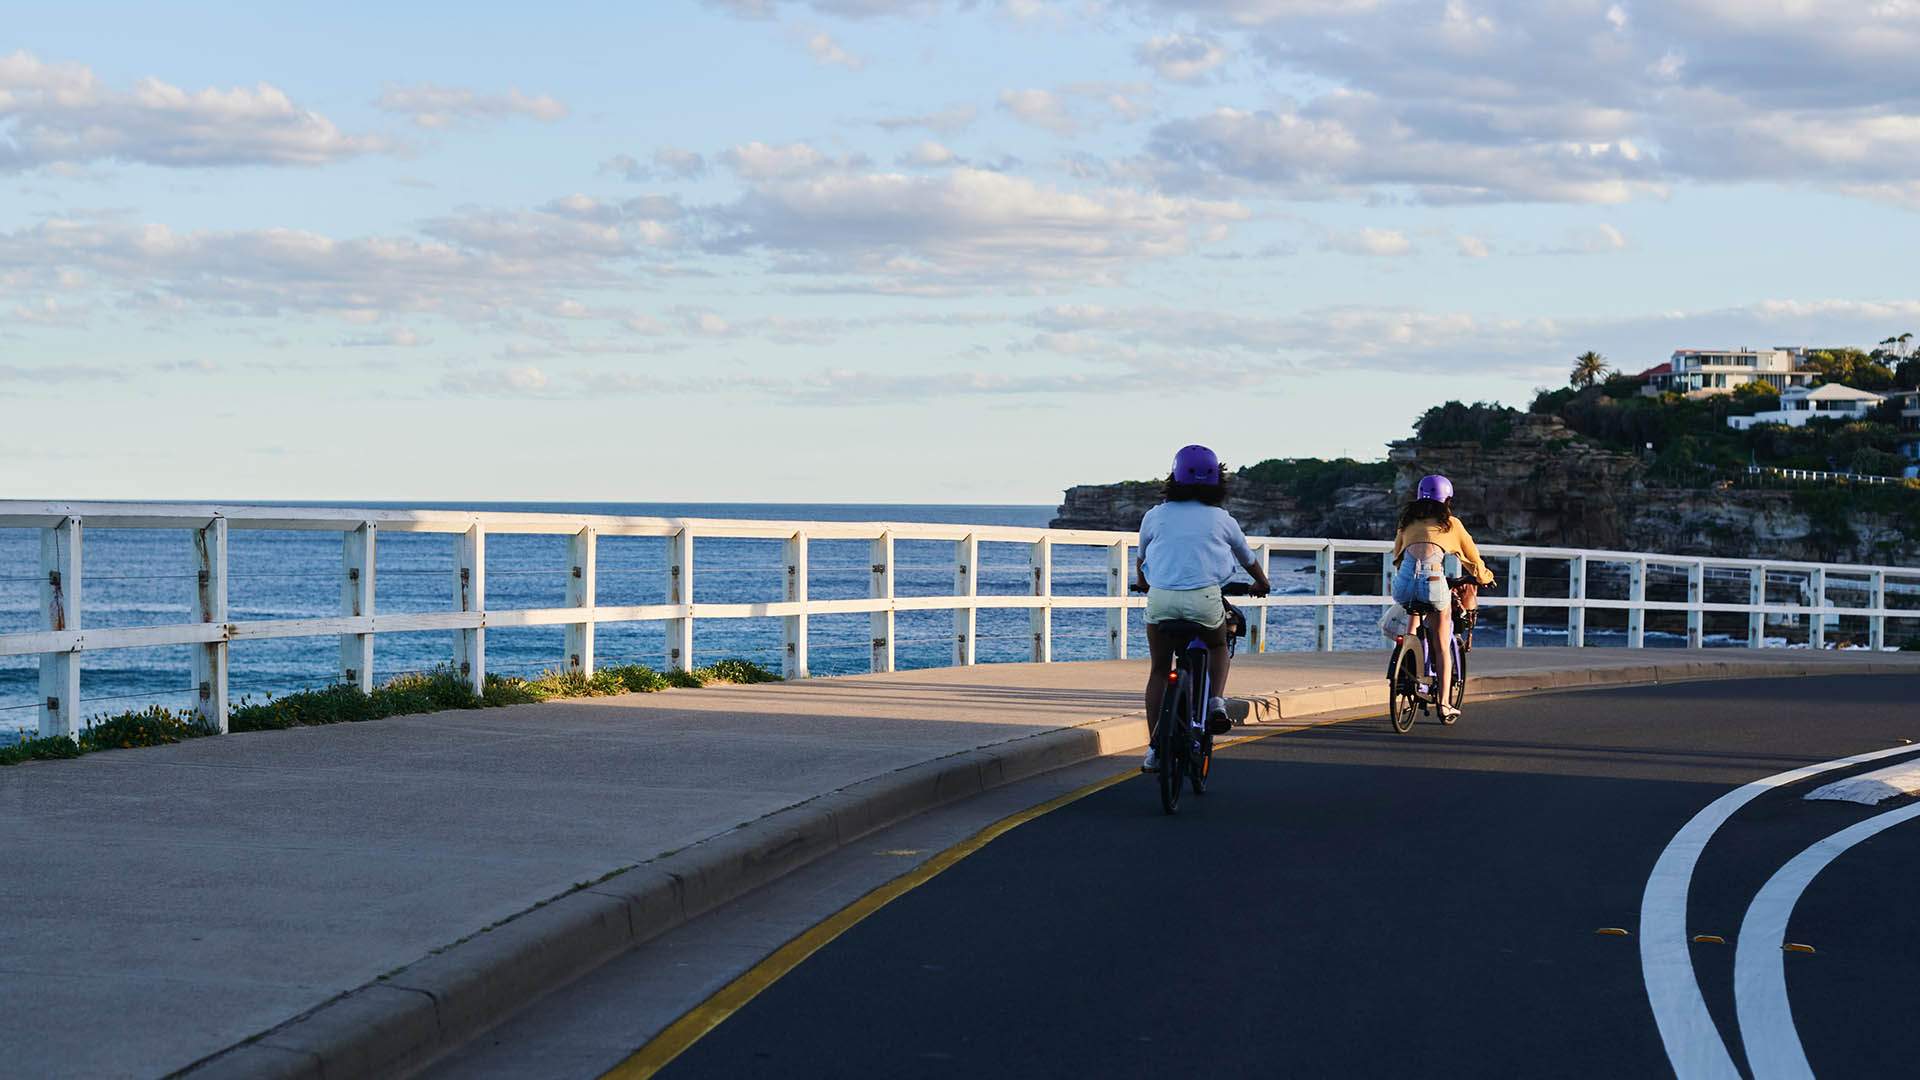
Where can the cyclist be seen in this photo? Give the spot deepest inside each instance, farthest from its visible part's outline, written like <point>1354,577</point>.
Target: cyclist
<point>1428,534</point>
<point>1189,547</point>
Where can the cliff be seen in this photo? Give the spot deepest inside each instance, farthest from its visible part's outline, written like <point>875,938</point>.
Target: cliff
<point>1545,485</point>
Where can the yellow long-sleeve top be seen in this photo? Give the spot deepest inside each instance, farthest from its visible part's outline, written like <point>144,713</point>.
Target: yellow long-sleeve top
<point>1454,540</point>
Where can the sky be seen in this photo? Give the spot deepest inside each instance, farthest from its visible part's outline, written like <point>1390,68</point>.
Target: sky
<point>899,250</point>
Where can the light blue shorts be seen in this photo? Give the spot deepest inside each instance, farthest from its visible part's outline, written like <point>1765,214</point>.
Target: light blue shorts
<point>1203,606</point>
<point>1420,581</point>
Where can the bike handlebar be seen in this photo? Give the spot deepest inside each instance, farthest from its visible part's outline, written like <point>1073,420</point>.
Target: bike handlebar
<point>1231,588</point>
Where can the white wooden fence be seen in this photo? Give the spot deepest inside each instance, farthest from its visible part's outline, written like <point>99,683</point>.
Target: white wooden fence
<point>63,637</point>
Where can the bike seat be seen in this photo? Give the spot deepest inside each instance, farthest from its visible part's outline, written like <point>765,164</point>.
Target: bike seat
<point>1183,629</point>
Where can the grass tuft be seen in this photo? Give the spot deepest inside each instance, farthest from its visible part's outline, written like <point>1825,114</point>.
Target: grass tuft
<point>419,692</point>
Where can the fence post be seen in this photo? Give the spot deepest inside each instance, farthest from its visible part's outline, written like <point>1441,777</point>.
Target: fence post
<point>1817,596</point>
<point>1696,594</point>
<point>1757,596</point>
<point>1517,612</point>
<point>1323,563</point>
<point>356,601</point>
<point>210,606</point>
<point>1040,619</point>
<point>60,610</point>
<point>1577,601</point>
<point>470,585</point>
<point>966,586</point>
<point>881,588</point>
<point>680,591</point>
<point>794,659</point>
<point>1637,599</point>
<point>583,551</point>
<point>1119,579</point>
<point>1877,622</point>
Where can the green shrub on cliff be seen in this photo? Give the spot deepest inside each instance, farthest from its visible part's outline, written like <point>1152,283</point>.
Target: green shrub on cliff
<point>1313,481</point>
<point>1483,422</point>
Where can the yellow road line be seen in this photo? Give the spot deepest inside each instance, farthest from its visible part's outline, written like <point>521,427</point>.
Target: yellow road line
<point>731,998</point>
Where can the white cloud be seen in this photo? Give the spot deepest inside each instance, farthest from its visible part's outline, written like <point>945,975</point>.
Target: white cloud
<point>828,51</point>
<point>1472,247</point>
<point>948,121</point>
<point>757,161</point>
<point>1344,143</point>
<point>569,227</point>
<point>477,267</point>
<point>399,337</point>
<point>667,163</point>
<point>62,115</point>
<point>966,226</point>
<point>1370,241</point>
<point>1040,108</point>
<point>432,106</point>
<point>767,9</point>
<point>1182,57</point>
<point>929,155</point>
<point>1601,238</point>
<point>521,380</point>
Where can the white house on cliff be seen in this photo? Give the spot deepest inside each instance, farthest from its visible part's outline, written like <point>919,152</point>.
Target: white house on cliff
<point>1799,404</point>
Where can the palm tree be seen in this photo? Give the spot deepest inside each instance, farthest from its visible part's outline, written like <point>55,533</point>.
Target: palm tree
<point>1588,368</point>
<point>1906,341</point>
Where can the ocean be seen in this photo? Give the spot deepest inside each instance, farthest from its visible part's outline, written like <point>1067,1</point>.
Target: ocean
<point>144,577</point>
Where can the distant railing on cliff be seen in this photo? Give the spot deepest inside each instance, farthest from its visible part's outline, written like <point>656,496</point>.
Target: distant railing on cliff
<point>1767,477</point>
<point>1683,599</point>
<point>1820,477</point>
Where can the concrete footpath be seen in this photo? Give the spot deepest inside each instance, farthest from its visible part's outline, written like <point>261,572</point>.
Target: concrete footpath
<point>358,899</point>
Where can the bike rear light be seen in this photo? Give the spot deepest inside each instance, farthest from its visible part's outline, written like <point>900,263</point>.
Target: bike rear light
<point>1173,676</point>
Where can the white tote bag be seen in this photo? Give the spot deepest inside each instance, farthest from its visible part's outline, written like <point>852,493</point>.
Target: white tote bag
<point>1393,624</point>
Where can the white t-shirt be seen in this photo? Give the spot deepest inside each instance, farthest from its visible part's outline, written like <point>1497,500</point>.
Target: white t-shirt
<point>1190,545</point>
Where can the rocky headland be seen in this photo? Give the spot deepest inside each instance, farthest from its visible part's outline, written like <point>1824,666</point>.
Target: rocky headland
<point>1546,485</point>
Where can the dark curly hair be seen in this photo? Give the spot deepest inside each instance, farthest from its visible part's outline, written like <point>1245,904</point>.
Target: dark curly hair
<point>1428,510</point>
<point>1211,494</point>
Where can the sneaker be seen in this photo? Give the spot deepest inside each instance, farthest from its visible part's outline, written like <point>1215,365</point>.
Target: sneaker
<point>1218,722</point>
<point>1152,763</point>
<point>1448,712</point>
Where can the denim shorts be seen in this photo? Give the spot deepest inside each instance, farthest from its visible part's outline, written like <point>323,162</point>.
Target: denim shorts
<point>1420,582</point>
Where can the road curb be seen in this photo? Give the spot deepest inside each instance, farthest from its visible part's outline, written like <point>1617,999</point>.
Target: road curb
<point>404,1021</point>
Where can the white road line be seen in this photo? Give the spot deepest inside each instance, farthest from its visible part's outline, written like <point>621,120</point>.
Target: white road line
<point>1874,787</point>
<point>1693,1043</point>
<point>1759,969</point>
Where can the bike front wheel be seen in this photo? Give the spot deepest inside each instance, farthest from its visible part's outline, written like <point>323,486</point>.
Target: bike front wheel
<point>1403,701</point>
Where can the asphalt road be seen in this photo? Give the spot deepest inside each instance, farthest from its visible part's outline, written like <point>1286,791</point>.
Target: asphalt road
<point>1348,901</point>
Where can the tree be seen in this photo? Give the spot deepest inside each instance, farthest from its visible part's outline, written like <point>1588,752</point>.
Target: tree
<point>1850,367</point>
<point>1588,368</point>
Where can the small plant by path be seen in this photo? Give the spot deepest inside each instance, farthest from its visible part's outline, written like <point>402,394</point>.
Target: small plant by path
<point>412,693</point>
<point>152,726</point>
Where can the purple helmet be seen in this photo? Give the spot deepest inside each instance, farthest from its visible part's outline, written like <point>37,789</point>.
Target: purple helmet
<point>1196,465</point>
<point>1435,487</point>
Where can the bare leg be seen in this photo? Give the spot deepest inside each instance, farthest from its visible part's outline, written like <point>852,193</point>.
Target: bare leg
<point>1442,635</point>
<point>1160,649</point>
<point>1217,663</point>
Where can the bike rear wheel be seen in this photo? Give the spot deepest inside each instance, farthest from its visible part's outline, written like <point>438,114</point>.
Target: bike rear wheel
<point>1403,702</point>
<point>1171,735</point>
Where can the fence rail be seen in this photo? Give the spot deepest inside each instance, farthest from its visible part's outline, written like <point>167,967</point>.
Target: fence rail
<point>63,638</point>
